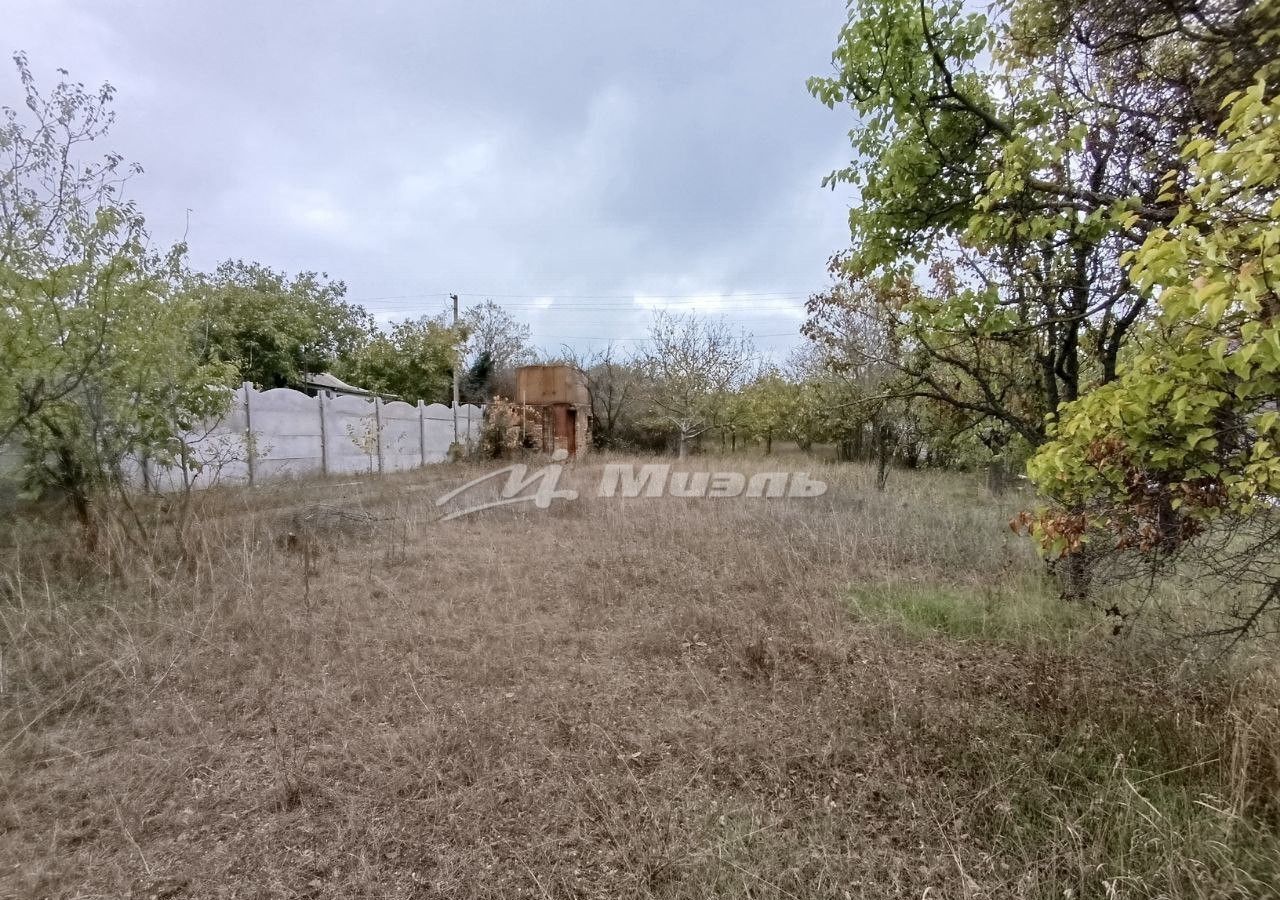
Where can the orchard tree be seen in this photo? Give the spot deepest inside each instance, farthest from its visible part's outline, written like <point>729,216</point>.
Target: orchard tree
<point>768,403</point>
<point>883,336</point>
<point>1180,454</point>
<point>615,386</point>
<point>139,405</point>
<point>692,365</point>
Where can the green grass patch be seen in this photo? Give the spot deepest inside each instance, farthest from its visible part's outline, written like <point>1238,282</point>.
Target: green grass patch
<point>1008,611</point>
<point>1127,800</point>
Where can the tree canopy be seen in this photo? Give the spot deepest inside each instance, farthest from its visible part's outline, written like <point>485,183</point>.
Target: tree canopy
<point>692,365</point>
<point>412,360</point>
<point>96,365</point>
<point>275,328</point>
<point>1017,156</point>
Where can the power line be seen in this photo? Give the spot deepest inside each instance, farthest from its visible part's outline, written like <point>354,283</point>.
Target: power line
<point>587,337</point>
<point>744,306</point>
<point>772,303</point>
<point>795,303</point>
<point>638,297</point>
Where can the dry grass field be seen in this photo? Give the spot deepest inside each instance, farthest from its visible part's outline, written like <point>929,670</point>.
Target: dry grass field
<point>323,691</point>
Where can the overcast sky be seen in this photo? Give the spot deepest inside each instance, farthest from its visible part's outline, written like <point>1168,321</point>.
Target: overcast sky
<point>579,163</point>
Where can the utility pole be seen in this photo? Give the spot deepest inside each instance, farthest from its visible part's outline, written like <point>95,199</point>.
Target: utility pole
<point>457,364</point>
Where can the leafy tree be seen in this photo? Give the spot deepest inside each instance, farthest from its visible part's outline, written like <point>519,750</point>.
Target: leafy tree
<point>756,408</point>
<point>776,405</point>
<point>67,241</point>
<point>145,394</point>
<point>1020,155</point>
<point>1181,453</point>
<point>733,419</point>
<point>275,328</point>
<point>495,333</point>
<point>96,368</point>
<point>413,361</point>
<point>692,365</point>
<point>885,337</point>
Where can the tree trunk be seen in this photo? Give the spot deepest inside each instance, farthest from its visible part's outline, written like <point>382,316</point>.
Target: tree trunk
<point>71,479</point>
<point>1074,573</point>
<point>88,527</point>
<point>997,476</point>
<point>74,485</point>
<point>845,449</point>
<point>884,441</point>
<point>768,443</point>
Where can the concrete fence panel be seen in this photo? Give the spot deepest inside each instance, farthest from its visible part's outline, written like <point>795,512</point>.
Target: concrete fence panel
<point>351,434</point>
<point>401,437</point>
<point>282,433</point>
<point>286,434</point>
<point>470,422</point>
<point>216,452</point>
<point>437,425</point>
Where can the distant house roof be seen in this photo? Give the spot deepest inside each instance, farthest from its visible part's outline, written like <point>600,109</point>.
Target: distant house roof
<point>333,383</point>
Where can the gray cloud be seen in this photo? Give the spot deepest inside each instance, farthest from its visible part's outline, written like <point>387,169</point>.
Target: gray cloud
<point>565,156</point>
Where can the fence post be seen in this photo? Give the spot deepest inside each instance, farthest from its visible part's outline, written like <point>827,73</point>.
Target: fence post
<point>422,434</point>
<point>377,419</point>
<point>324,435</point>
<point>248,432</point>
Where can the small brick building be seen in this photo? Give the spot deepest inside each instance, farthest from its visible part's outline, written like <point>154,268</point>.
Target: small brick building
<point>560,395</point>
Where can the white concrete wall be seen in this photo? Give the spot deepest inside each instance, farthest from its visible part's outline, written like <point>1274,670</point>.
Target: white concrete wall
<point>437,424</point>
<point>401,436</point>
<point>351,435</point>
<point>218,452</point>
<point>286,433</point>
<point>282,433</point>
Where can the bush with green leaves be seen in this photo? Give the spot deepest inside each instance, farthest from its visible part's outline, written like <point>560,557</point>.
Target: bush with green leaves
<point>1184,446</point>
